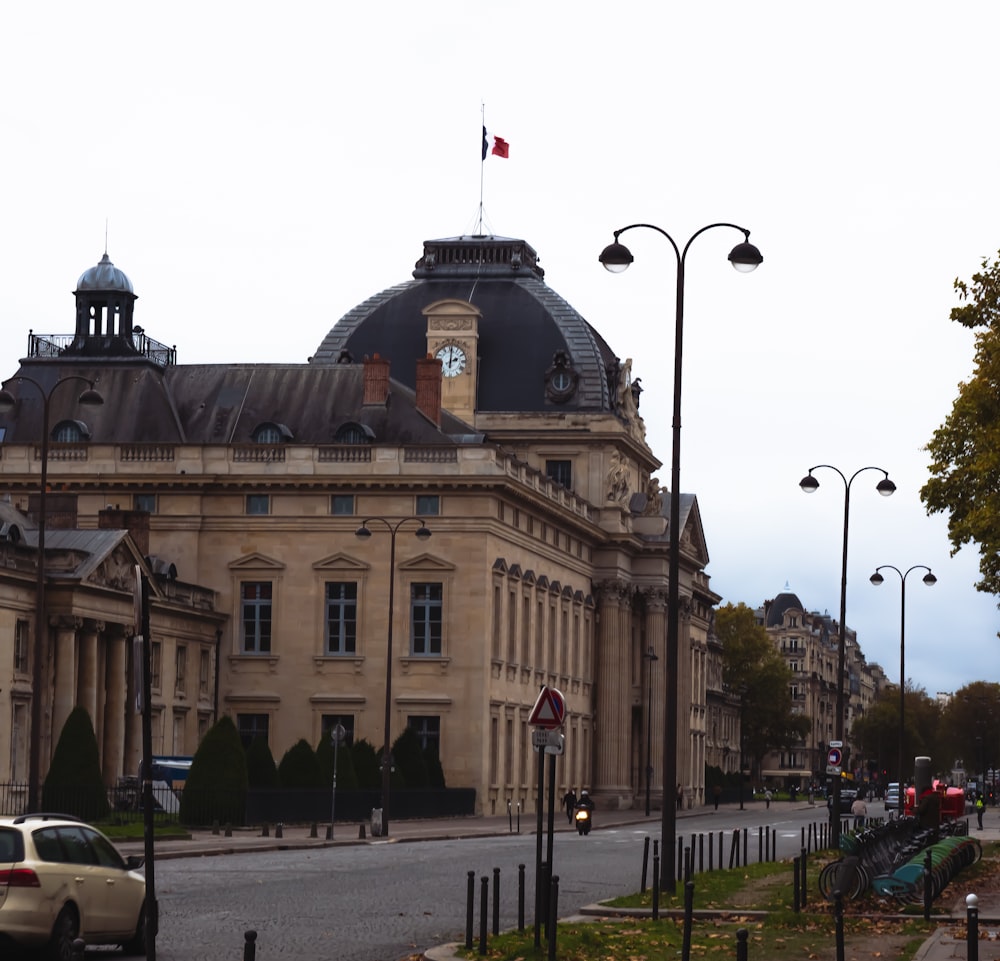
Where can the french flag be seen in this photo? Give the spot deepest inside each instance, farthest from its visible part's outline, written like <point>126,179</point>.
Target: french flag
<point>494,145</point>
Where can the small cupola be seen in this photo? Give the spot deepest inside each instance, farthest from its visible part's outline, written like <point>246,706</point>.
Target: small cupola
<point>104,305</point>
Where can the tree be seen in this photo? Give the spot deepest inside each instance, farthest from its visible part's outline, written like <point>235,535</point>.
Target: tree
<point>409,757</point>
<point>965,450</point>
<point>299,767</point>
<point>261,769</point>
<point>74,784</point>
<point>753,669</point>
<point>969,727</point>
<point>347,778</point>
<point>216,785</point>
<point>366,765</point>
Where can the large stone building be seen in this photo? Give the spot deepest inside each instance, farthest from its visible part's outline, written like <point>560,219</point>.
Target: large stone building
<point>471,400</point>
<point>809,642</point>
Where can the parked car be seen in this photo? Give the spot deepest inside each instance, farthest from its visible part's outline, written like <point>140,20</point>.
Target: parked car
<point>892,797</point>
<point>61,879</point>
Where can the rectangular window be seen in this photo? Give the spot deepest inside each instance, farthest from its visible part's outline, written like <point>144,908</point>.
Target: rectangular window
<point>155,664</point>
<point>258,504</point>
<point>425,619</point>
<point>342,505</point>
<point>204,672</point>
<point>428,731</point>
<point>346,721</point>
<point>428,505</point>
<point>144,502</point>
<point>561,471</point>
<point>180,675</point>
<point>341,617</point>
<point>252,726</point>
<point>256,616</point>
<point>21,647</point>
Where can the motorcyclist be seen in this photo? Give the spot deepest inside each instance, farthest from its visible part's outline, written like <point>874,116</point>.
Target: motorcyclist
<point>585,803</point>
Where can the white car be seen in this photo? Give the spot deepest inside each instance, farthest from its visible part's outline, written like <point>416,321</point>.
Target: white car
<point>61,879</point>
<point>892,797</point>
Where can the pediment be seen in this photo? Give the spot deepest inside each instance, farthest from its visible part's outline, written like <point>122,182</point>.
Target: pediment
<point>256,562</point>
<point>426,562</point>
<point>341,562</point>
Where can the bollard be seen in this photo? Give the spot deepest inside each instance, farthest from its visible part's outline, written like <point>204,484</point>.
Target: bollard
<point>741,944</point>
<point>795,885</point>
<point>78,949</point>
<point>680,857</point>
<point>656,884</point>
<point>774,845</point>
<point>329,832</point>
<point>701,853</point>
<point>803,880</point>
<point>314,831</point>
<point>971,928</point>
<point>484,900</point>
<point>470,909</point>
<point>361,831</point>
<point>553,915</point>
<point>734,850</point>
<point>645,863</point>
<point>265,831</point>
<point>745,862</point>
<point>229,830</point>
<point>278,830</point>
<point>760,845</point>
<point>496,901</point>
<point>688,916</point>
<point>720,850</point>
<point>249,945</point>
<point>686,873</point>
<point>215,827</point>
<point>520,897</point>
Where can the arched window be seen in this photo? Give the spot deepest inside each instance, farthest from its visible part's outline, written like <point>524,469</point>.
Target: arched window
<point>354,434</point>
<point>70,432</point>
<point>269,433</point>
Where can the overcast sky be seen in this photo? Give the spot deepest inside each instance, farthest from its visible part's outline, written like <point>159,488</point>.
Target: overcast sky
<point>263,168</point>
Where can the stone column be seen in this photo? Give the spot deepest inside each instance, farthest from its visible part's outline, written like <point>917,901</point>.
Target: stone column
<point>86,682</point>
<point>612,716</point>
<point>66,668</point>
<point>116,683</point>
<point>656,637</point>
<point>684,708</point>
<point>133,721</point>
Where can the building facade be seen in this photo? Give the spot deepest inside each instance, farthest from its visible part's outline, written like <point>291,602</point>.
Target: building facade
<point>471,403</point>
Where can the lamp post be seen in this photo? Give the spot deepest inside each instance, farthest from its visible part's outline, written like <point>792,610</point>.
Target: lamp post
<point>650,658</point>
<point>885,487</point>
<point>930,580</point>
<point>616,258</point>
<point>363,532</point>
<point>8,401</point>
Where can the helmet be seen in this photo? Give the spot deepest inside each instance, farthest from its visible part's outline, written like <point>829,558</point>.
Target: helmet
<point>583,793</point>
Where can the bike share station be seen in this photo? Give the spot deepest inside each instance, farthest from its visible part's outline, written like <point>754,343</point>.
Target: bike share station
<point>546,718</point>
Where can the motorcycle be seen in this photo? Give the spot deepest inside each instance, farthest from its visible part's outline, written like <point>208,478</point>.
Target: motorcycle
<point>583,820</point>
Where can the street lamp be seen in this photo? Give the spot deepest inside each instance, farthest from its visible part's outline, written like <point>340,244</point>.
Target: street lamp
<point>616,258</point>
<point>650,658</point>
<point>363,532</point>
<point>885,487</point>
<point>930,580</point>
<point>8,401</point>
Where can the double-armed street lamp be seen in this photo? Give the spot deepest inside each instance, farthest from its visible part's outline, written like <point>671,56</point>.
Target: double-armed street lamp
<point>8,401</point>
<point>616,258</point>
<point>930,580</point>
<point>363,532</point>
<point>885,487</point>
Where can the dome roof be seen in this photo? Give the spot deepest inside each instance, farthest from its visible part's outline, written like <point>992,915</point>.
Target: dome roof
<point>104,276</point>
<point>785,601</point>
<point>522,325</point>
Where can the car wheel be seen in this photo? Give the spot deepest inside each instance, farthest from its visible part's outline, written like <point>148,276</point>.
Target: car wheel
<point>64,933</point>
<point>136,945</point>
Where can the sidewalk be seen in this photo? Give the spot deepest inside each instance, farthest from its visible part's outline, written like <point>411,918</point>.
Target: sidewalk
<point>942,945</point>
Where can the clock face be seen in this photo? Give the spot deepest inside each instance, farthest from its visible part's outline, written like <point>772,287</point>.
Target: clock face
<point>452,359</point>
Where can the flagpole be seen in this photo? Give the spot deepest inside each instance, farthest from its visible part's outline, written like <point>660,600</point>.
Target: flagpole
<point>482,167</point>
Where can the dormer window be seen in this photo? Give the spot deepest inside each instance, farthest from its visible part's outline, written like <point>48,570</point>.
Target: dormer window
<point>70,432</point>
<point>354,434</point>
<point>561,379</point>
<point>269,433</point>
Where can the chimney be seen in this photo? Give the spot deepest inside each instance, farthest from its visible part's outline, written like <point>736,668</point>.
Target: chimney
<point>135,522</point>
<point>429,389</point>
<point>376,380</point>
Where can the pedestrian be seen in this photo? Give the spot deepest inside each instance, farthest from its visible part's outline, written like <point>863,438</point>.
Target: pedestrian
<point>860,811</point>
<point>680,796</point>
<point>767,798</point>
<point>980,807</point>
<point>569,802</point>
<point>716,794</point>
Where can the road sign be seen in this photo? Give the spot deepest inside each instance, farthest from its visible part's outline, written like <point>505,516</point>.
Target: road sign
<point>834,757</point>
<point>552,742</point>
<point>549,709</point>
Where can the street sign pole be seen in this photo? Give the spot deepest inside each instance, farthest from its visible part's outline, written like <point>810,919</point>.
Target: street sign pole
<point>538,849</point>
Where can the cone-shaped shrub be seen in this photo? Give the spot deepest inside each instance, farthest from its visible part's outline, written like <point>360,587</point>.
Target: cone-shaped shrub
<point>74,784</point>
<point>217,782</point>
<point>409,757</point>
<point>366,765</point>
<point>261,769</point>
<point>299,767</point>
<point>347,777</point>
<point>435,773</point>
